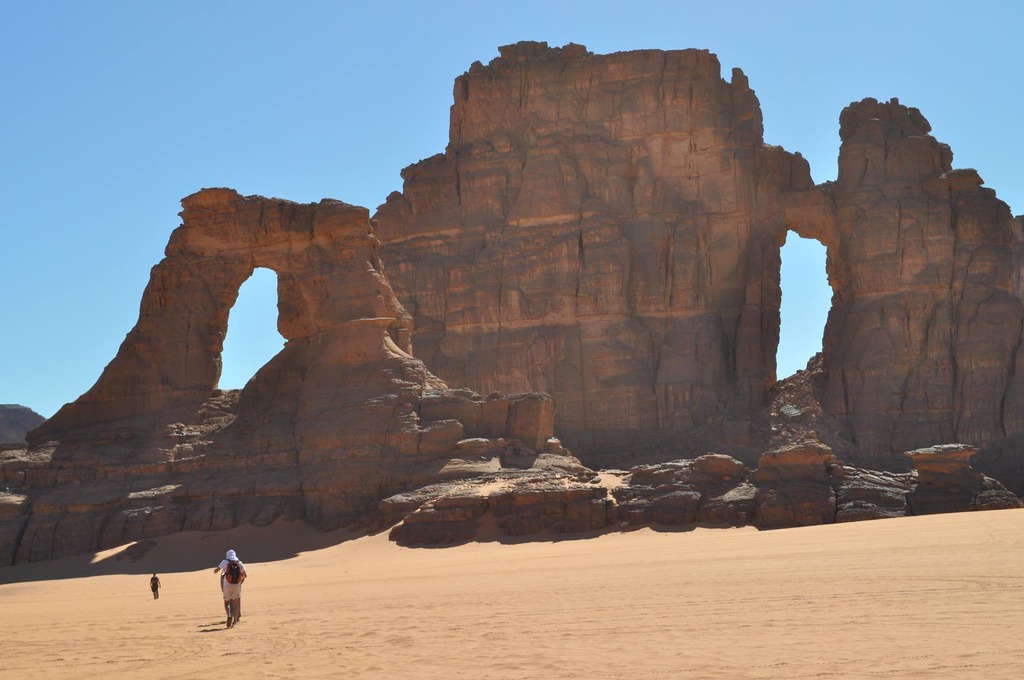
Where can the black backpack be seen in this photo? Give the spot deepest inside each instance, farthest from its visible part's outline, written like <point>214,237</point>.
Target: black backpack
<point>233,573</point>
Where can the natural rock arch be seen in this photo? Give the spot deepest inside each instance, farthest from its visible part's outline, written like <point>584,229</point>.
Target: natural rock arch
<point>340,418</point>
<point>329,275</point>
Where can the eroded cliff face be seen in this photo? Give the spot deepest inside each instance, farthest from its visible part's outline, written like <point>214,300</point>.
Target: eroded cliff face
<point>604,228</point>
<point>924,339</point>
<point>342,416</point>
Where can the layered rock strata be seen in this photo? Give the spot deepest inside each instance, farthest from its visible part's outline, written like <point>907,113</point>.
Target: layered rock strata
<point>604,228</point>
<point>799,485</point>
<point>341,417</point>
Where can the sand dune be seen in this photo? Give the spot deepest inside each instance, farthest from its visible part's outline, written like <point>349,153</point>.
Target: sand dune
<point>918,597</point>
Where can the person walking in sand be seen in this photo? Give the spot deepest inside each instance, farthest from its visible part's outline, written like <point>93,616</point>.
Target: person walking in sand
<point>231,585</point>
<point>154,585</point>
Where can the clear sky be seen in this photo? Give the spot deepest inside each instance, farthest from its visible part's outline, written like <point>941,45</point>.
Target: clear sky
<point>112,111</point>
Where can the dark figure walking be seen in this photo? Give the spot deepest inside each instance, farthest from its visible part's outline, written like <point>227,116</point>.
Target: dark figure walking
<point>154,585</point>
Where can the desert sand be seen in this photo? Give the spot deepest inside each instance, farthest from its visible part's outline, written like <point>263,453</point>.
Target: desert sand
<point>918,597</point>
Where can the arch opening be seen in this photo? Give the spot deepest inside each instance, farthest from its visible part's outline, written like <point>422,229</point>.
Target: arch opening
<point>252,337</point>
<point>806,299</point>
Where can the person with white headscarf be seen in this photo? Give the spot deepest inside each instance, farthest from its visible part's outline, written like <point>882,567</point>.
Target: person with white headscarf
<point>232,576</point>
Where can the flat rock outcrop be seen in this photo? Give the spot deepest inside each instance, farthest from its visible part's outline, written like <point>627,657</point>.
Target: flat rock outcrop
<point>341,417</point>
<point>606,229</point>
<point>16,421</point>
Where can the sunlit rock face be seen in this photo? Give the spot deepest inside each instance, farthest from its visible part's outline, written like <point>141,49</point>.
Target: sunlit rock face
<point>342,416</point>
<point>604,228</point>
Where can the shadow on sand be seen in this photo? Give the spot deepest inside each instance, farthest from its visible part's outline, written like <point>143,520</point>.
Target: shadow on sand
<point>185,552</point>
<point>488,531</point>
<point>215,627</point>
<point>194,551</point>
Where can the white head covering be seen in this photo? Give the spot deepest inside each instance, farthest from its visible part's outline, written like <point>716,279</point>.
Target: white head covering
<point>231,555</point>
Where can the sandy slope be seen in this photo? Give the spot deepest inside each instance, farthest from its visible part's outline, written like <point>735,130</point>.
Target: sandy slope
<point>920,597</point>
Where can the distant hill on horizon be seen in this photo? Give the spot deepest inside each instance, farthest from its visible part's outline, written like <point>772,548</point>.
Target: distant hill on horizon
<point>15,422</point>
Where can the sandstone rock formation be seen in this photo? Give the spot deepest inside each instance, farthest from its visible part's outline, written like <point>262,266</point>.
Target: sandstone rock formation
<point>947,483</point>
<point>798,485</point>
<point>342,416</point>
<point>794,486</point>
<point>16,421</point>
<point>711,488</point>
<point>604,228</point>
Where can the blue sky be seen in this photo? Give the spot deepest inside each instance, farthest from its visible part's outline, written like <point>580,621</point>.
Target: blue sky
<point>113,111</point>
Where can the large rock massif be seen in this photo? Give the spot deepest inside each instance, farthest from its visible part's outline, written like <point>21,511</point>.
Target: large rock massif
<point>342,416</point>
<point>602,228</point>
<point>607,228</point>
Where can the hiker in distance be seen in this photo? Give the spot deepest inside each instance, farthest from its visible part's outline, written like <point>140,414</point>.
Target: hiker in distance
<point>231,585</point>
<point>154,585</point>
